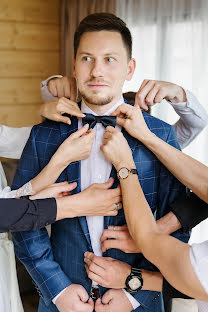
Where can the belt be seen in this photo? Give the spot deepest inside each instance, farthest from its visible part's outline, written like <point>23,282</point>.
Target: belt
<point>95,294</point>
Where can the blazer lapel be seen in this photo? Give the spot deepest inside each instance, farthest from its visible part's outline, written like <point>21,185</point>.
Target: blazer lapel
<point>74,171</point>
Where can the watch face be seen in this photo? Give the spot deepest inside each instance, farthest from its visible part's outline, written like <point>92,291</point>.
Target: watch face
<point>134,283</point>
<point>123,173</point>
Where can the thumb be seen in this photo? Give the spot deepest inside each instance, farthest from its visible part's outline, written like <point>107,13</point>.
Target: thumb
<point>72,186</point>
<point>98,305</point>
<point>91,302</point>
<point>107,184</point>
<point>83,295</point>
<point>136,102</point>
<point>120,121</point>
<point>108,296</point>
<point>63,119</point>
<point>91,134</point>
<point>80,132</point>
<point>66,187</point>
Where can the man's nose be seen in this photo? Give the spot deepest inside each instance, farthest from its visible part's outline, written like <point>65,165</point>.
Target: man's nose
<point>97,69</point>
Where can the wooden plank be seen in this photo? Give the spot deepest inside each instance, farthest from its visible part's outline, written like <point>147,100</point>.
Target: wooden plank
<point>28,64</point>
<point>30,11</point>
<point>20,91</point>
<point>19,116</point>
<point>39,37</point>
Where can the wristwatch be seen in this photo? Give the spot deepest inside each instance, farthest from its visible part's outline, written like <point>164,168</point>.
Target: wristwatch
<point>134,281</point>
<point>123,173</point>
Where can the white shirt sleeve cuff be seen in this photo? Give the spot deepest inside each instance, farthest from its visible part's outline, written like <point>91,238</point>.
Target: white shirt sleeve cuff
<point>55,298</point>
<point>192,106</point>
<point>135,304</point>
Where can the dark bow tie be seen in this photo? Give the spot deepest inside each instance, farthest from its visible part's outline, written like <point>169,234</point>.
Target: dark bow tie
<point>104,120</point>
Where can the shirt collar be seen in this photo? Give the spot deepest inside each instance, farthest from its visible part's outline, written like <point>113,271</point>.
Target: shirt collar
<point>86,110</point>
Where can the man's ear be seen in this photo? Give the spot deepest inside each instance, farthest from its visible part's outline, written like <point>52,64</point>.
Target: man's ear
<point>131,69</point>
<point>74,72</point>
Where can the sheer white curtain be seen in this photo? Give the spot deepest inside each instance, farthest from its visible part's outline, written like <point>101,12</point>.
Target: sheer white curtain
<point>170,42</point>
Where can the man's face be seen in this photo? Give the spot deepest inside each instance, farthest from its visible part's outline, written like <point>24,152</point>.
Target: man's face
<point>101,67</point>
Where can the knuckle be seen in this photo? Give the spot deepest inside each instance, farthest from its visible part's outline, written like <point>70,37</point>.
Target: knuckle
<point>61,100</point>
<point>140,96</point>
<point>162,88</point>
<point>147,100</point>
<point>59,105</point>
<point>157,85</point>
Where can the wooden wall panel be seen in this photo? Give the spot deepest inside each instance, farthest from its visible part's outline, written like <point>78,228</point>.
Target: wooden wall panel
<point>30,11</point>
<point>29,53</point>
<point>20,91</point>
<point>18,116</point>
<point>36,37</point>
<point>28,64</point>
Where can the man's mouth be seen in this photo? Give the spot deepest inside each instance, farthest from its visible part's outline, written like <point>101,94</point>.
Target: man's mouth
<point>97,85</point>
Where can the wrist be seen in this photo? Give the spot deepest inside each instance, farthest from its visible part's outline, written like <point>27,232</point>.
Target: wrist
<point>168,224</point>
<point>127,272</point>
<point>152,280</point>
<point>146,138</point>
<point>59,204</point>
<point>125,163</point>
<point>58,164</point>
<point>65,208</point>
<point>134,281</point>
<point>180,97</point>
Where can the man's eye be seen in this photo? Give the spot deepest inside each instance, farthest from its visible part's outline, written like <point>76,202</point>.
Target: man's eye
<point>110,59</point>
<point>87,58</point>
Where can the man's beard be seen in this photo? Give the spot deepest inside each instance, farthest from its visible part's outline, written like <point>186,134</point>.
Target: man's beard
<point>96,100</point>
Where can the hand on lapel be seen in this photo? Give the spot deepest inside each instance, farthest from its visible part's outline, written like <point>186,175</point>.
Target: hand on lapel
<point>106,271</point>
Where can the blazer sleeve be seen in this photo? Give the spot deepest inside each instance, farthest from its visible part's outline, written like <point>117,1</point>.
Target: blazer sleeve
<point>169,189</point>
<point>34,248</point>
<point>24,214</point>
<point>190,210</point>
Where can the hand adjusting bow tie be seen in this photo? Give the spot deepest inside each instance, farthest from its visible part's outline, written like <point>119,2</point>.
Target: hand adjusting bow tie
<point>104,120</point>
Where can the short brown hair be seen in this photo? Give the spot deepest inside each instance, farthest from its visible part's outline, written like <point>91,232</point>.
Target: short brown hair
<point>103,21</point>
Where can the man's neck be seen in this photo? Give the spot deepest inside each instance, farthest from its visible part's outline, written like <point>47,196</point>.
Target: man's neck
<point>102,109</point>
